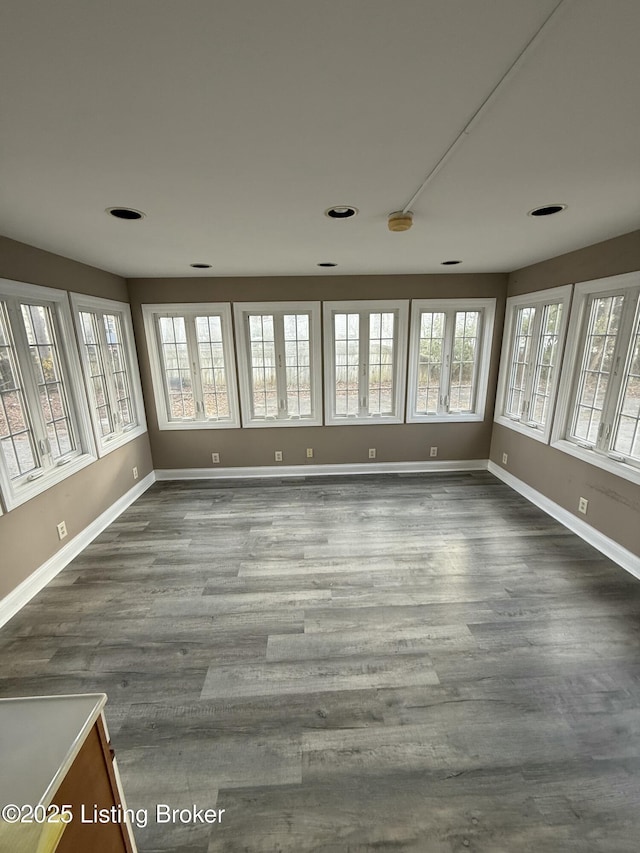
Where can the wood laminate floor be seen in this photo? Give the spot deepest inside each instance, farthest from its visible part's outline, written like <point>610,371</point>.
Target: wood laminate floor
<point>399,663</point>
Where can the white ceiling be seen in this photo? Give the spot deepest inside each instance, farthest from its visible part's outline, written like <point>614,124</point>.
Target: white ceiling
<point>235,124</point>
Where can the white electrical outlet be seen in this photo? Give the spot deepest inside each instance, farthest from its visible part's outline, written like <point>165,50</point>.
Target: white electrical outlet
<point>215,458</point>
<point>433,451</point>
<point>505,458</point>
<point>135,473</point>
<point>309,452</point>
<point>372,453</point>
<point>583,504</point>
<point>278,456</point>
<point>62,530</point>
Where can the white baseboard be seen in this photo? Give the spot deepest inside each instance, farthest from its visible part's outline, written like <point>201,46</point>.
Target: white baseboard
<point>283,471</point>
<point>29,587</point>
<point>616,552</point>
<point>18,597</point>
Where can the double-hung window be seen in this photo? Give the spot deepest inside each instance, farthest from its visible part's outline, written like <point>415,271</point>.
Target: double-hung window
<point>599,417</point>
<point>365,358</point>
<point>191,354</point>
<point>449,356</point>
<point>534,334</point>
<point>45,432</point>
<point>279,363</point>
<point>109,362</point>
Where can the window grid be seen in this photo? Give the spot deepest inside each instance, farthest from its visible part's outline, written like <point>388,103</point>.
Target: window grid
<point>190,348</point>
<point>464,360</point>
<point>45,432</point>
<point>380,366</point>
<point>449,359</point>
<point>45,361</point>
<point>278,354</point>
<point>16,434</point>
<point>97,372</point>
<point>297,342</point>
<point>347,364</point>
<point>212,367</point>
<point>176,367</point>
<point>118,367</point>
<point>365,361</point>
<point>520,361</point>
<point>604,318</point>
<point>430,362</point>
<point>545,364</point>
<point>264,387</point>
<point>627,432</point>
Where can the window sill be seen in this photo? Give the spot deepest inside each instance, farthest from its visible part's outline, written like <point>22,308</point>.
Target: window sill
<point>203,425</point>
<point>107,446</point>
<point>445,419</point>
<point>14,497</point>
<point>371,420</point>
<point>541,435</point>
<point>599,460</point>
<point>282,422</point>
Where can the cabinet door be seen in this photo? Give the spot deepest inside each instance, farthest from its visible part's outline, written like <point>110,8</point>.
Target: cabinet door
<point>90,785</point>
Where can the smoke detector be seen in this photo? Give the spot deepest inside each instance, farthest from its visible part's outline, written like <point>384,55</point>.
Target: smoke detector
<point>400,220</point>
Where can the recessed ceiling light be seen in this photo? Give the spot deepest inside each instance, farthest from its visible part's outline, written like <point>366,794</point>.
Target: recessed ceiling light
<point>201,266</point>
<point>327,264</point>
<point>547,210</point>
<point>449,263</point>
<point>125,213</point>
<point>341,211</point>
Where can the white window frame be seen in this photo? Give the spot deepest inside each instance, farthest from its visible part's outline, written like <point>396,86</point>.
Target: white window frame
<point>486,307</point>
<point>82,304</point>
<point>151,313</point>
<point>242,311</point>
<point>537,300</point>
<point>400,308</point>
<point>595,455</point>
<point>18,491</point>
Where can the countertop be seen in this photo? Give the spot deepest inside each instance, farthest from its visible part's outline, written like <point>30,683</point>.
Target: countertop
<point>40,737</point>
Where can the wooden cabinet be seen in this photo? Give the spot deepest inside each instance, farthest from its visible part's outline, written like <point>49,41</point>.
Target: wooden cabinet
<point>55,751</point>
<point>91,789</point>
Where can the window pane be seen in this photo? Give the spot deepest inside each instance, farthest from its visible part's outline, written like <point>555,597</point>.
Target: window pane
<point>16,435</point>
<point>297,364</point>
<point>175,358</point>
<point>119,370</point>
<point>463,361</point>
<point>627,433</point>
<point>431,348</point>
<point>97,374</point>
<point>520,358</point>
<point>52,393</point>
<point>212,367</point>
<point>262,353</point>
<point>546,364</point>
<point>181,402</point>
<point>347,356</point>
<point>595,371</point>
<point>380,387</point>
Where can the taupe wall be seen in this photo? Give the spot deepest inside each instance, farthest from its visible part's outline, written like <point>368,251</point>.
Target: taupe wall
<point>28,535</point>
<point>174,449</point>
<point>614,503</point>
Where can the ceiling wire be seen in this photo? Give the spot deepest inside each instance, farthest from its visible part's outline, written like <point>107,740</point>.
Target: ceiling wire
<point>513,68</point>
